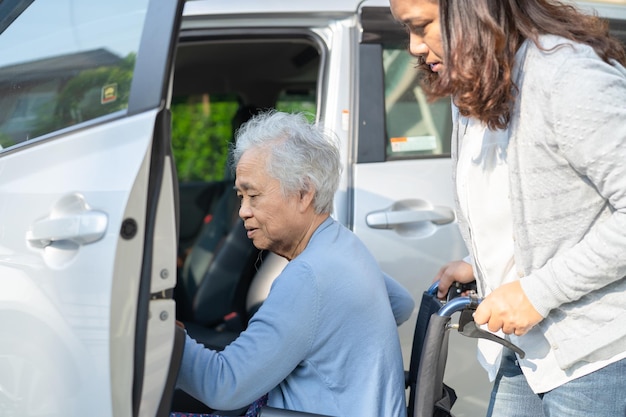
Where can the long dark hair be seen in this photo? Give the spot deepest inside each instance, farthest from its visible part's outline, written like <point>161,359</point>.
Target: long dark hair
<point>480,38</point>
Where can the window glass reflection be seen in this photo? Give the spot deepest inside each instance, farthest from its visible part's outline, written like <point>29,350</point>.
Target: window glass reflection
<point>415,127</point>
<point>66,62</point>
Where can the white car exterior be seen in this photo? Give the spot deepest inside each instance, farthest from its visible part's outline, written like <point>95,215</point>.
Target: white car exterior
<point>89,200</point>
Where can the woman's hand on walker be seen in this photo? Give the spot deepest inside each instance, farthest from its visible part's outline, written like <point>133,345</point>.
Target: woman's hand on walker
<point>507,308</point>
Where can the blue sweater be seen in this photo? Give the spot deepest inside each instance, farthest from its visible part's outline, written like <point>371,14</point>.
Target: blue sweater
<point>325,340</point>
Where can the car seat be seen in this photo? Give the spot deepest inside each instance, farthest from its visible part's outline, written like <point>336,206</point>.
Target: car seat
<point>215,277</point>
<point>217,272</point>
<point>211,293</point>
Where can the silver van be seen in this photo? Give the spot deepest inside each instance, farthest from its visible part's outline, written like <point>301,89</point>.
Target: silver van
<point>116,208</point>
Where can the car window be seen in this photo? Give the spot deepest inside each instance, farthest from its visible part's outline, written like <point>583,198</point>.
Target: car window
<point>618,29</point>
<point>415,127</point>
<point>64,63</point>
<point>401,122</point>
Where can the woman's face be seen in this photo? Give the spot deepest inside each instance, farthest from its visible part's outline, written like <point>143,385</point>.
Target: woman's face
<point>421,18</point>
<point>273,221</point>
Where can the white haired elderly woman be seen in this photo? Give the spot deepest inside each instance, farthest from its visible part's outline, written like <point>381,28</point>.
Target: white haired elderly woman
<point>325,341</point>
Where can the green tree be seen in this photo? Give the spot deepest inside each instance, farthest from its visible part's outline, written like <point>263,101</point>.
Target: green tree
<point>201,134</point>
<point>202,130</point>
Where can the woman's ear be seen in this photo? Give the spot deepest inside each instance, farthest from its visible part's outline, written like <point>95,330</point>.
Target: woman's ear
<point>307,196</point>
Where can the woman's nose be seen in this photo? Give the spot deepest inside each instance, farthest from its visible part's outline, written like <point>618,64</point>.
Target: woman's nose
<point>417,47</point>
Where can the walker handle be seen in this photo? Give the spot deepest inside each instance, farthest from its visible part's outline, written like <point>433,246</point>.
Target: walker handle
<point>467,326</point>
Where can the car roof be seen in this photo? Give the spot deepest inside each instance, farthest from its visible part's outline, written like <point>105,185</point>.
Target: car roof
<point>614,9</point>
<point>238,7</point>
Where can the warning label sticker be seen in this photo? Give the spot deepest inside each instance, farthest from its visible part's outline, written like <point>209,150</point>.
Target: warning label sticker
<point>413,143</point>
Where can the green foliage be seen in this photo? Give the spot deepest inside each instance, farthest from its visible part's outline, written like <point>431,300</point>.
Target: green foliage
<point>305,107</point>
<point>201,133</point>
<point>5,140</point>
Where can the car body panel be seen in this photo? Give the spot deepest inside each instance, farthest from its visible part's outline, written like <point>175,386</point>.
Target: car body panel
<point>72,279</point>
<point>86,205</point>
<point>89,210</point>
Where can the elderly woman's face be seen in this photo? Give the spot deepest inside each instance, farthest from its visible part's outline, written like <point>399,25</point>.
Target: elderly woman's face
<point>421,19</point>
<point>273,221</point>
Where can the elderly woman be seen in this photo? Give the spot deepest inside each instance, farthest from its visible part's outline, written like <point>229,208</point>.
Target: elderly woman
<point>325,340</point>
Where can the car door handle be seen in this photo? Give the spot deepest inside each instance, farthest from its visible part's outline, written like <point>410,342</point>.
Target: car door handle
<point>388,219</point>
<point>70,220</point>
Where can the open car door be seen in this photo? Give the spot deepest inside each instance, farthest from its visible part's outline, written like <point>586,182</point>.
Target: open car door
<point>87,208</point>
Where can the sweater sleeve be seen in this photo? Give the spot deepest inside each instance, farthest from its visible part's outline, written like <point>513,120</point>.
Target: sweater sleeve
<point>402,304</point>
<point>588,110</point>
<point>278,338</point>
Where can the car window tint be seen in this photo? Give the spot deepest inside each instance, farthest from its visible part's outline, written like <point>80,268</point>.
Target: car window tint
<point>203,127</point>
<point>66,62</point>
<point>415,127</point>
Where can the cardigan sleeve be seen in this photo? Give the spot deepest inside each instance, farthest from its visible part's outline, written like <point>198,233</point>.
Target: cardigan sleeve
<point>588,109</point>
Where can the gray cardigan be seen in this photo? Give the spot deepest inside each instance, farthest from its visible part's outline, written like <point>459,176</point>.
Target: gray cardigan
<point>567,162</point>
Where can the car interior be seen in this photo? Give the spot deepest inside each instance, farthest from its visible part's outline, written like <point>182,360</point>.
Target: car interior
<point>217,262</point>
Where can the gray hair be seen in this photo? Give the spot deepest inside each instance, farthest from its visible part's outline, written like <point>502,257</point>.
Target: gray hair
<point>300,154</point>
